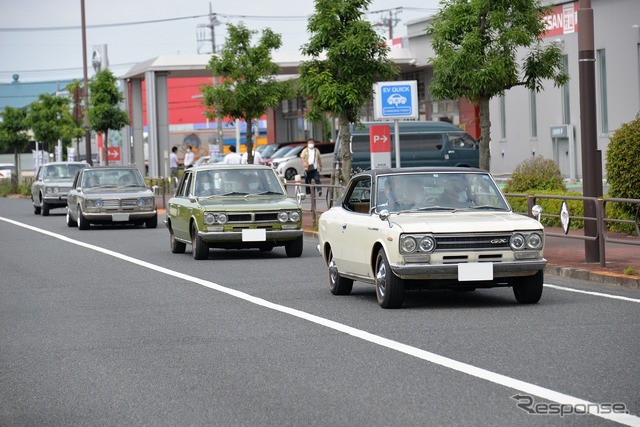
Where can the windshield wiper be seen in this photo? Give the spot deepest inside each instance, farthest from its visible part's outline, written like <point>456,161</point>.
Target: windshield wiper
<point>234,193</point>
<point>266,192</point>
<point>487,207</point>
<point>435,208</point>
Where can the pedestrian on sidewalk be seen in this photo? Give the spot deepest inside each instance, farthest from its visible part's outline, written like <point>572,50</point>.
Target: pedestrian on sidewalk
<point>312,163</point>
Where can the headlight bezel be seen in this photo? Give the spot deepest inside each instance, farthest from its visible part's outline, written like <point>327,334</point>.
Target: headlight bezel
<point>415,243</point>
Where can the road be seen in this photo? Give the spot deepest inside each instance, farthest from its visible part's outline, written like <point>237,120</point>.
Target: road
<point>107,327</point>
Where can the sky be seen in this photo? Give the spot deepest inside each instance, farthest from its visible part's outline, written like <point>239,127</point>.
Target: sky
<point>41,40</point>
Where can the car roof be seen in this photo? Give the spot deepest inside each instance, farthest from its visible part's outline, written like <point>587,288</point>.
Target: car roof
<point>224,166</point>
<point>81,162</point>
<point>426,169</point>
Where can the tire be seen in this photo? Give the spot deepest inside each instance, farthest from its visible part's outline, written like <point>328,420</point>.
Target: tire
<point>176,246</point>
<point>199,249</point>
<point>70,221</point>
<point>36,210</point>
<point>290,174</point>
<point>152,222</point>
<point>338,285</point>
<point>294,248</point>
<point>83,224</point>
<point>45,208</point>
<point>389,287</point>
<point>528,290</point>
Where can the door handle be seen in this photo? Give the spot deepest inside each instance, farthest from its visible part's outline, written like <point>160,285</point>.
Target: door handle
<point>344,226</point>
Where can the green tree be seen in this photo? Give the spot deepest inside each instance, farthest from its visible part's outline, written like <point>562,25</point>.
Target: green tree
<point>50,120</point>
<point>14,133</point>
<point>104,106</point>
<point>476,45</point>
<point>248,85</point>
<point>348,57</point>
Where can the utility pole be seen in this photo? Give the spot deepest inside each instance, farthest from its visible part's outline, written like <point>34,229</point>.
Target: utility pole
<point>591,156</point>
<point>87,131</point>
<point>389,22</point>
<point>213,20</point>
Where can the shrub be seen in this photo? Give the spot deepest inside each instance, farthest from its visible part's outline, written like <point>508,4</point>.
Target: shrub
<point>535,175</point>
<point>623,167</point>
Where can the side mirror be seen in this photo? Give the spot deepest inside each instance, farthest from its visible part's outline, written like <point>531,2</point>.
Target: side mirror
<point>384,216</point>
<point>536,210</point>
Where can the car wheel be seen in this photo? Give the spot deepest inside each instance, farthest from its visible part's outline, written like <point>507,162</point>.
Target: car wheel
<point>338,285</point>
<point>70,221</point>
<point>44,207</point>
<point>36,209</point>
<point>294,248</point>
<point>83,224</point>
<point>290,174</point>
<point>389,287</point>
<point>199,249</point>
<point>528,290</point>
<point>176,246</point>
<point>152,222</point>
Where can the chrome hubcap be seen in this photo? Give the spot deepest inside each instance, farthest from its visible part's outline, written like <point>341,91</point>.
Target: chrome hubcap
<point>381,279</point>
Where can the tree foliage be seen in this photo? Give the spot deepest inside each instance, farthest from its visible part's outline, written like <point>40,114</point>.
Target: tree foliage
<point>14,132</point>
<point>476,45</point>
<point>347,57</point>
<point>247,85</point>
<point>50,120</point>
<point>104,105</point>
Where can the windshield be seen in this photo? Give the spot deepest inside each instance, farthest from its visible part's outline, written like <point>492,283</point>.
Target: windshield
<point>235,182</point>
<point>111,178</point>
<point>438,191</point>
<point>61,172</point>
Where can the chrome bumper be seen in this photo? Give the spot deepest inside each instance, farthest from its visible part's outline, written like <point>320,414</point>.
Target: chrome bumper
<point>450,271</point>
<point>235,236</point>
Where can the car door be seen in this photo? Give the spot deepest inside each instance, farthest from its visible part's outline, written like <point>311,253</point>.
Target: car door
<point>72,197</point>
<point>357,235</point>
<point>179,207</point>
<point>37,186</point>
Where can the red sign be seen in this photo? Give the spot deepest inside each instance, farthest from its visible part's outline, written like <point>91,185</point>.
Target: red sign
<point>114,153</point>
<point>563,19</point>
<point>380,139</point>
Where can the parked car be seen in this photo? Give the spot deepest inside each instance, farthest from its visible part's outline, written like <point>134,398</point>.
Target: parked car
<point>110,195</point>
<point>233,207</point>
<point>280,153</point>
<point>291,164</point>
<point>6,170</point>
<point>267,150</point>
<point>205,160</point>
<point>51,185</point>
<point>433,228</point>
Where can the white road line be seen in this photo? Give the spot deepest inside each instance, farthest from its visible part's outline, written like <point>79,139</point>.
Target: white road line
<point>597,294</point>
<point>531,389</point>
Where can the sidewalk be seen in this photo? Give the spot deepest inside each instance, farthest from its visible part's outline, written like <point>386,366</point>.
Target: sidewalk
<point>566,256</point>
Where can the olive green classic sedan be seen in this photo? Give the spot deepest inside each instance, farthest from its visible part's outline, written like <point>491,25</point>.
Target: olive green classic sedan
<point>233,207</point>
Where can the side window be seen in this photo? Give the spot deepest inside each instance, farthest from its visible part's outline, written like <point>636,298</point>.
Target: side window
<point>326,148</point>
<point>183,188</point>
<point>39,175</point>
<point>462,141</point>
<point>358,196</point>
<point>421,142</point>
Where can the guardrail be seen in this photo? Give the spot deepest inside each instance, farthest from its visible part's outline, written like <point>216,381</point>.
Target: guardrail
<point>600,221</point>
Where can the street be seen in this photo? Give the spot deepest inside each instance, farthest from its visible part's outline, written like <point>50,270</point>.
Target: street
<point>108,327</point>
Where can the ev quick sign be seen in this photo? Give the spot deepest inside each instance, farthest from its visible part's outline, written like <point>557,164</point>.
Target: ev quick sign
<point>396,100</point>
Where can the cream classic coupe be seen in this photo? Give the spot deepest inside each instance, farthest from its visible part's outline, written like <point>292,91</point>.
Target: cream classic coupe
<point>433,228</point>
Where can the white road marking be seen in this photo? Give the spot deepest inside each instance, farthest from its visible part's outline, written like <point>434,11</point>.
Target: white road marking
<point>597,294</point>
<point>503,380</point>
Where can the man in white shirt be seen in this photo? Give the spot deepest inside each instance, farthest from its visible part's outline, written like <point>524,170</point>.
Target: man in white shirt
<point>232,158</point>
<point>189,157</point>
<point>312,163</point>
<point>257,158</point>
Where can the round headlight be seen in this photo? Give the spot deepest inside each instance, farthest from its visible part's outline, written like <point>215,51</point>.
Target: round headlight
<point>99,203</point>
<point>408,244</point>
<point>427,244</point>
<point>295,216</point>
<point>534,241</point>
<point>517,242</point>
<point>140,202</point>
<point>209,218</point>
<point>222,218</point>
<point>283,216</point>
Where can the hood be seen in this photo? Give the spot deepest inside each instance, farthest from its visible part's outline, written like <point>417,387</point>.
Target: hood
<point>464,222</point>
<point>123,192</point>
<point>59,182</point>
<point>243,203</point>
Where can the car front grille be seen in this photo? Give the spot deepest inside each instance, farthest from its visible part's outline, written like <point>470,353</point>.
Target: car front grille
<point>251,217</point>
<point>477,241</point>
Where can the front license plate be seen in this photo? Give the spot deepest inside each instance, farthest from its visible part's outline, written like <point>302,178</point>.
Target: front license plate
<point>475,271</point>
<point>118,217</point>
<point>254,235</point>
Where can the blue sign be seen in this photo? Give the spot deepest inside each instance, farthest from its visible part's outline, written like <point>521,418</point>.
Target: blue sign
<point>396,100</point>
